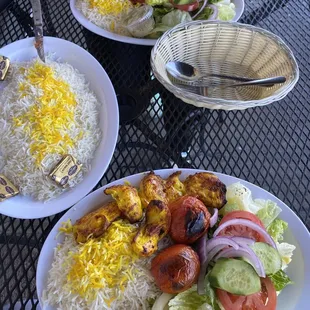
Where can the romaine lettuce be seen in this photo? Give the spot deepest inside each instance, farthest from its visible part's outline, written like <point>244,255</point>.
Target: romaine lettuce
<point>241,196</point>
<point>188,300</point>
<point>276,229</point>
<point>191,300</point>
<point>205,14</point>
<point>280,280</point>
<point>269,211</point>
<point>226,12</point>
<point>156,2</point>
<point>229,207</point>
<point>160,12</point>
<point>286,253</point>
<point>170,20</point>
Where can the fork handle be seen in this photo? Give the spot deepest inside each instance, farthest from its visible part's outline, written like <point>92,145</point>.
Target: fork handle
<point>260,82</point>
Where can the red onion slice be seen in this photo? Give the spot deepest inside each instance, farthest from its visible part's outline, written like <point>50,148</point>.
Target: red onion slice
<point>212,247</point>
<point>214,217</point>
<point>242,241</point>
<point>248,224</point>
<point>204,266</point>
<point>246,253</point>
<point>202,253</point>
<point>220,240</point>
<point>200,247</point>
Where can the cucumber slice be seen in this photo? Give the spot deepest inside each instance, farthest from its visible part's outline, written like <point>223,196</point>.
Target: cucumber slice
<point>235,276</point>
<point>269,257</point>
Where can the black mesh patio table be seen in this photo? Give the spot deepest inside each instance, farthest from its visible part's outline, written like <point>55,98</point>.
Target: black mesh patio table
<point>268,146</point>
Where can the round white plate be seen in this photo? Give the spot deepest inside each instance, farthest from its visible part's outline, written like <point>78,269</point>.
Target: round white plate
<point>292,297</point>
<point>23,50</point>
<point>113,36</point>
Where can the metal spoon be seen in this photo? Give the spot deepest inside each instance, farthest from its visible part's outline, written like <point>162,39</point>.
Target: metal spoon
<point>187,73</point>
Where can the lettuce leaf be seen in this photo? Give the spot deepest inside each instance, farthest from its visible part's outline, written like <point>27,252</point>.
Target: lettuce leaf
<point>269,211</point>
<point>191,300</point>
<point>229,207</point>
<point>239,195</point>
<point>160,12</point>
<point>286,253</point>
<point>280,280</point>
<point>276,229</point>
<point>219,1</point>
<point>156,2</point>
<point>171,19</point>
<point>205,14</point>
<point>188,300</point>
<point>226,12</point>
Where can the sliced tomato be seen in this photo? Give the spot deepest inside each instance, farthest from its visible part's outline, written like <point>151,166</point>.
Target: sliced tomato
<point>189,7</point>
<point>240,230</point>
<point>242,215</point>
<point>266,299</point>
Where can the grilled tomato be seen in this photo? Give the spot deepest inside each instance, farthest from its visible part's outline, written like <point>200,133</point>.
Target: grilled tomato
<point>175,269</point>
<point>190,219</point>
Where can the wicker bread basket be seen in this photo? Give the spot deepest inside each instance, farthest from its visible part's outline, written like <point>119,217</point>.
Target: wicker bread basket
<point>226,48</point>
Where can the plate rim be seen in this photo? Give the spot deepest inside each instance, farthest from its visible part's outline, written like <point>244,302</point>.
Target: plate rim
<point>45,250</point>
<point>8,209</point>
<point>120,38</point>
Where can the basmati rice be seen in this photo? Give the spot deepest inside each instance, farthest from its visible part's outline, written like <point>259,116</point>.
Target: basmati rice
<point>18,162</point>
<point>112,20</point>
<point>137,293</point>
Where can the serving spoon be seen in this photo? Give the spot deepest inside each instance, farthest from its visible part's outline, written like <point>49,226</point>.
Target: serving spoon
<point>187,73</point>
<point>38,28</point>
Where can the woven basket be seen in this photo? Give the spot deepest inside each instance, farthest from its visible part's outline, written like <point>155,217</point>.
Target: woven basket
<point>226,48</point>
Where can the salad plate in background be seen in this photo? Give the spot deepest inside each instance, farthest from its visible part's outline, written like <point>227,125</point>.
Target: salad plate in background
<point>282,225</point>
<point>142,22</point>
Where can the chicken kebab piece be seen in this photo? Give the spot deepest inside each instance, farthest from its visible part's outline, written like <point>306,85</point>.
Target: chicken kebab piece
<point>95,223</point>
<point>208,188</point>
<point>153,187</point>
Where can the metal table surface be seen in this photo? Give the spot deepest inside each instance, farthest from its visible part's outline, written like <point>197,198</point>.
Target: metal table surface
<point>268,146</point>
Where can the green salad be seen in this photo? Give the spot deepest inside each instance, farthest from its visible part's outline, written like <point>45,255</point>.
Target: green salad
<point>243,258</point>
<point>151,18</point>
<point>168,14</point>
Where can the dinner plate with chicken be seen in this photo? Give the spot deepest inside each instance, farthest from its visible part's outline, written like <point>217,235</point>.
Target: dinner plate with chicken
<point>176,239</point>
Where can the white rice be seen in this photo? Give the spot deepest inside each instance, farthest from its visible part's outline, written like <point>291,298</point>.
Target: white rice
<point>16,162</point>
<point>135,296</point>
<point>112,23</point>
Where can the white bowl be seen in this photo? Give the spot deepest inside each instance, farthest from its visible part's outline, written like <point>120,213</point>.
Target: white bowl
<point>23,50</point>
<point>292,297</point>
<point>117,37</point>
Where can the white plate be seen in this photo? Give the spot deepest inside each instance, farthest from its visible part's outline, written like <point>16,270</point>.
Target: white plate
<point>117,37</point>
<point>23,50</point>
<point>292,297</point>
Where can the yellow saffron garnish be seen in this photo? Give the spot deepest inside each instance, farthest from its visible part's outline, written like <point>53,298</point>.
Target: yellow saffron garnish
<point>47,121</point>
<point>111,7</point>
<point>103,263</point>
